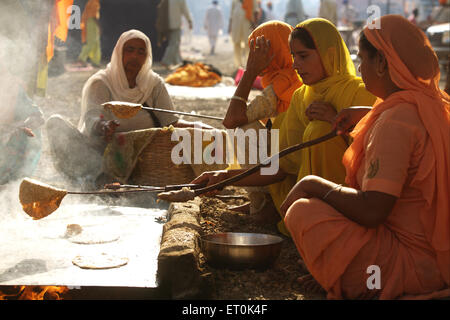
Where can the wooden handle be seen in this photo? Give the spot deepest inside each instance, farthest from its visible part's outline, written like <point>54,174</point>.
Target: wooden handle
<point>252,170</point>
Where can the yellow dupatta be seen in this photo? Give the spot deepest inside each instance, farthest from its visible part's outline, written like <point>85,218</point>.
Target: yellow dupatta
<point>342,88</point>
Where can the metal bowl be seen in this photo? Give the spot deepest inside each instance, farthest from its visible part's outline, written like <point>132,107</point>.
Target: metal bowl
<point>241,250</point>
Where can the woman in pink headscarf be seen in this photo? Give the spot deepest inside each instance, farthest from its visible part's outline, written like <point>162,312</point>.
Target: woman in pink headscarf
<point>385,234</point>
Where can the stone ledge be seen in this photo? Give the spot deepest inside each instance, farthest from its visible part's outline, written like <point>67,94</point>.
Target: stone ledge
<point>179,275</point>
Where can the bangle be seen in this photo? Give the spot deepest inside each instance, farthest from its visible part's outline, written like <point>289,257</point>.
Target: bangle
<point>332,189</point>
<point>239,98</point>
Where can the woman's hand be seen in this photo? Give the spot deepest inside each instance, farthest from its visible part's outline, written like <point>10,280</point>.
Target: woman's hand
<point>347,118</point>
<point>258,59</point>
<point>210,178</point>
<point>107,128</point>
<point>296,193</point>
<point>323,111</point>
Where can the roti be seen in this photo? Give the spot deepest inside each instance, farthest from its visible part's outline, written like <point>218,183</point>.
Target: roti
<point>93,237</point>
<point>99,261</point>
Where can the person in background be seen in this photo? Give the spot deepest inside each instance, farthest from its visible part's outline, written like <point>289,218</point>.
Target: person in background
<point>269,12</point>
<point>213,23</point>
<point>413,16</point>
<point>348,14</point>
<point>242,21</point>
<point>295,13</point>
<point>328,10</point>
<point>177,10</point>
<point>90,34</point>
<point>386,233</point>
<point>261,17</point>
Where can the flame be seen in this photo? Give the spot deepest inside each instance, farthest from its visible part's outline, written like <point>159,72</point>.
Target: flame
<point>33,293</point>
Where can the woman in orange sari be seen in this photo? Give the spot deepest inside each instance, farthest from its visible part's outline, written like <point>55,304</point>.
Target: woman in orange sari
<point>386,235</point>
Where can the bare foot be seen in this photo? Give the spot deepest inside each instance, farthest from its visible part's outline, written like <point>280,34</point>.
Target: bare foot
<point>310,285</point>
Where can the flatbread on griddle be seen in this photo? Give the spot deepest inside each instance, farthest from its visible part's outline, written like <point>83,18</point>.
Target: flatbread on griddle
<point>94,237</point>
<point>99,261</point>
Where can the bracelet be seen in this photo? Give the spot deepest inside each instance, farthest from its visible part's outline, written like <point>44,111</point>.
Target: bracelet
<point>332,189</point>
<point>239,98</point>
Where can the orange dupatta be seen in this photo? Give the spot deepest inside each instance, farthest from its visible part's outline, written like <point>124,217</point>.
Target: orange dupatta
<point>413,67</point>
<point>58,25</point>
<point>280,73</point>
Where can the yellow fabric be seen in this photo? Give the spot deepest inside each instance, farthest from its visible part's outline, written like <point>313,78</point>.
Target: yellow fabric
<point>92,48</point>
<point>342,89</point>
<point>92,10</point>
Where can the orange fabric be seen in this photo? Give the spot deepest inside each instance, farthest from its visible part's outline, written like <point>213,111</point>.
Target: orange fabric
<point>91,10</point>
<point>247,5</point>
<point>193,75</point>
<point>58,26</point>
<point>280,74</point>
<point>413,66</point>
<point>402,147</point>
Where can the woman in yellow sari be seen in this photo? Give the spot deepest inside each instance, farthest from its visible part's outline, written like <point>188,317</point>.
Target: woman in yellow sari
<point>329,85</point>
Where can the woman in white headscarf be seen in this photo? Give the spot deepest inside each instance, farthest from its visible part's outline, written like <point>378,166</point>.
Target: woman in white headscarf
<point>128,77</point>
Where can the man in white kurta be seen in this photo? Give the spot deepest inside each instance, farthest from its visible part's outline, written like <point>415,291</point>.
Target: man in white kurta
<point>328,10</point>
<point>213,23</point>
<point>240,28</point>
<point>295,12</point>
<point>177,9</point>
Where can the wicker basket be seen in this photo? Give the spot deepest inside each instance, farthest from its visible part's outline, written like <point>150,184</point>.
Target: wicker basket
<point>155,166</point>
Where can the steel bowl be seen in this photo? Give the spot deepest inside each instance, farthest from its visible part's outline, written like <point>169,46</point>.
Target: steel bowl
<point>241,250</point>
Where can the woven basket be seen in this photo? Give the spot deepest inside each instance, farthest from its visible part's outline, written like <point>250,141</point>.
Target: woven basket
<point>155,166</point>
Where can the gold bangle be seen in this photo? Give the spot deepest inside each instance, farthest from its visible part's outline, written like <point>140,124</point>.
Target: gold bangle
<point>239,98</point>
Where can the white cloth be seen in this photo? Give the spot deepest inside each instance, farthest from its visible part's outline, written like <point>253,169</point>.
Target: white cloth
<point>294,12</point>
<point>115,83</point>
<point>213,20</point>
<point>178,9</point>
<point>270,15</point>
<point>240,26</point>
<point>328,10</point>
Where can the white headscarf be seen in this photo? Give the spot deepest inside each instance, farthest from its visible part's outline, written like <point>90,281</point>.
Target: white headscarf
<point>115,79</point>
